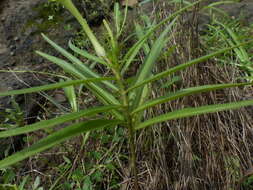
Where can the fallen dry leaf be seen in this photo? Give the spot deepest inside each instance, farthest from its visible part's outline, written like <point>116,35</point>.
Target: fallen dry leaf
<point>131,3</point>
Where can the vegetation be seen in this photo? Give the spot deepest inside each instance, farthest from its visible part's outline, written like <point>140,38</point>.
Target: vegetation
<point>124,97</point>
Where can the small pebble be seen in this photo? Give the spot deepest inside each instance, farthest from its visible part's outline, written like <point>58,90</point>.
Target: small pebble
<point>60,98</point>
<point>12,47</point>
<point>16,38</point>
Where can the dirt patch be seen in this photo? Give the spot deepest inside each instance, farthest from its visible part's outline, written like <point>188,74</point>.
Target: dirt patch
<point>21,23</point>
<point>17,46</point>
<point>242,10</point>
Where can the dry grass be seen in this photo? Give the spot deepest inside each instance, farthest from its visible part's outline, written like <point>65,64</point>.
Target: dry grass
<point>212,151</point>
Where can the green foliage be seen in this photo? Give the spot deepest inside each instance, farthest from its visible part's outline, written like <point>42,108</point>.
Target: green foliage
<point>49,15</point>
<point>8,187</point>
<point>9,176</point>
<point>12,117</point>
<point>248,183</point>
<point>227,33</point>
<point>122,102</point>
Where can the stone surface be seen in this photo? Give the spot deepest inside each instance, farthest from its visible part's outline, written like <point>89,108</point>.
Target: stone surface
<point>17,45</point>
<point>21,23</point>
<point>242,10</point>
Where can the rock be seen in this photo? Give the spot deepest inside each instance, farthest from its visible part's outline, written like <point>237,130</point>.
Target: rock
<point>242,10</point>
<point>94,10</point>
<point>16,38</point>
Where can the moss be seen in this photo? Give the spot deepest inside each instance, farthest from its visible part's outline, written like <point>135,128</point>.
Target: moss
<point>48,15</point>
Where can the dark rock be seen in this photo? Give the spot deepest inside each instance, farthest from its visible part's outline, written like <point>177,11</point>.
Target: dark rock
<point>94,10</point>
<point>242,10</point>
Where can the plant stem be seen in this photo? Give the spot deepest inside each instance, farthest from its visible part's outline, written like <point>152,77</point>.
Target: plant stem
<point>133,167</point>
<point>130,127</point>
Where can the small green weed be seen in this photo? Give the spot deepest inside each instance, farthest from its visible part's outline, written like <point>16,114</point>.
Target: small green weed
<point>248,183</point>
<point>228,33</point>
<point>12,117</point>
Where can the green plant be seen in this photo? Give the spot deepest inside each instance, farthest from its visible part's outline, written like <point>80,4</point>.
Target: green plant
<point>247,183</point>
<point>123,100</point>
<point>8,187</point>
<point>12,117</point>
<point>230,33</point>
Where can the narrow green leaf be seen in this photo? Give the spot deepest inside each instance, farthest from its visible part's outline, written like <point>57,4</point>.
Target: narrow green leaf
<point>117,18</point>
<point>147,20</point>
<point>71,95</point>
<point>74,11</point>
<point>123,20</point>
<point>110,34</point>
<point>56,138</point>
<point>151,58</point>
<point>66,54</point>
<point>154,53</point>
<point>169,83</point>
<point>242,54</point>
<point>230,42</point>
<point>132,52</point>
<point>139,115</point>
<point>188,112</point>
<point>53,86</point>
<point>67,67</point>
<point>140,33</point>
<point>56,121</point>
<point>211,5</point>
<point>87,72</point>
<point>183,66</point>
<point>8,187</point>
<point>85,54</point>
<point>186,92</point>
<point>102,94</point>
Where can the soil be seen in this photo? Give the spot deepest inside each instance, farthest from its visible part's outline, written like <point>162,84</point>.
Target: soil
<point>242,10</point>
<point>17,45</point>
<point>21,23</point>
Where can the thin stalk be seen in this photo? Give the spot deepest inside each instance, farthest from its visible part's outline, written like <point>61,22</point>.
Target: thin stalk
<point>129,125</point>
<point>133,167</point>
<point>124,20</point>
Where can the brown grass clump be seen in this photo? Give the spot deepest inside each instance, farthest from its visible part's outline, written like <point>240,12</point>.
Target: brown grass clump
<point>213,151</point>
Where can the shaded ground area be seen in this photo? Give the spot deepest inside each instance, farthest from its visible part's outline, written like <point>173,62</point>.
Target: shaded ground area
<point>18,42</point>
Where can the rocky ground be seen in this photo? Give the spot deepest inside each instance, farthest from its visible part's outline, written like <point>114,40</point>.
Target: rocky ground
<point>18,41</point>
<point>21,23</point>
